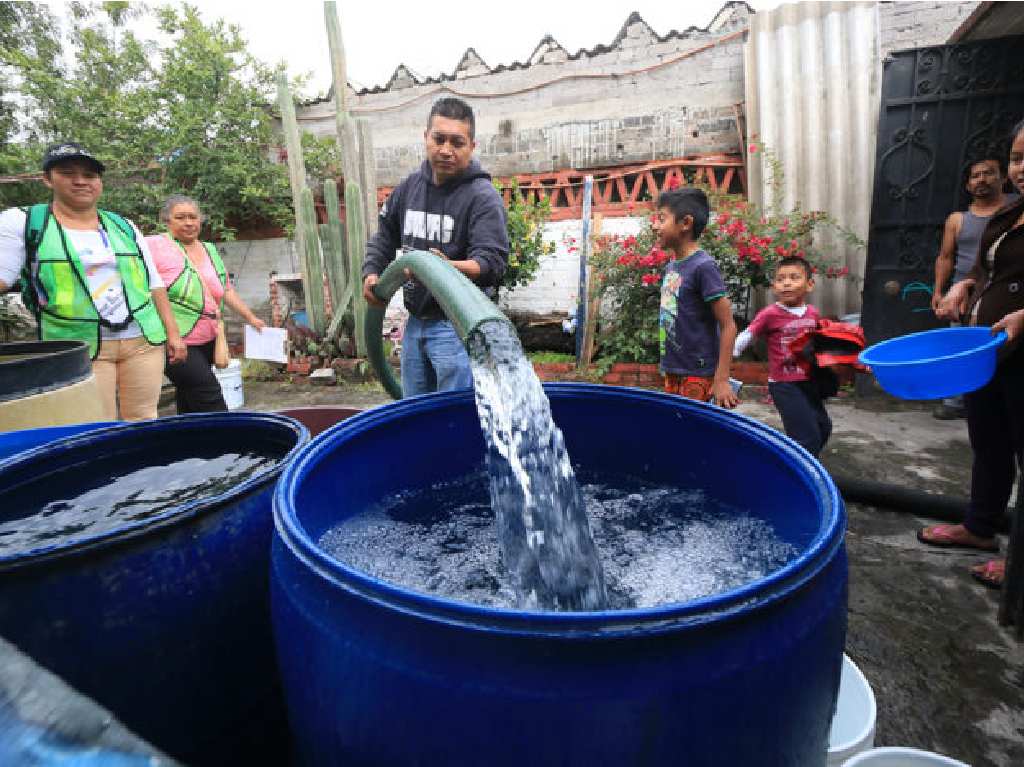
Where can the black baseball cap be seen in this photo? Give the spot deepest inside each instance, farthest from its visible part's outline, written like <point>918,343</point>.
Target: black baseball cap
<point>69,150</point>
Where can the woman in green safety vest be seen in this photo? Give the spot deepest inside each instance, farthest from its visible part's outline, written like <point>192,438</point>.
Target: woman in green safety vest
<point>87,275</point>
<point>197,287</point>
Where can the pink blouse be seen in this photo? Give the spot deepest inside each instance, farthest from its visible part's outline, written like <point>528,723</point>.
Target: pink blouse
<point>170,260</point>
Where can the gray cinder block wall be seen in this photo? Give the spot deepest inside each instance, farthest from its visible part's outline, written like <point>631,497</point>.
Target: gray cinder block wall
<point>647,105</point>
<point>644,104</point>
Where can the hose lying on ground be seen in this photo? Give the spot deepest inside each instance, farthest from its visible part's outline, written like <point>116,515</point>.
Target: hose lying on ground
<point>943,508</point>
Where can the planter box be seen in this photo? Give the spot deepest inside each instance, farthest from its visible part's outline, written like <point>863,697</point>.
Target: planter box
<point>647,374</point>
<point>634,374</point>
<point>299,366</point>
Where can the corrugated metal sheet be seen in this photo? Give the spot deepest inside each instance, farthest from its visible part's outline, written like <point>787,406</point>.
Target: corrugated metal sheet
<point>813,72</point>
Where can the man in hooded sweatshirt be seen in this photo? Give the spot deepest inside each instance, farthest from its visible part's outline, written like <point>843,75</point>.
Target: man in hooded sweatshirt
<point>448,207</point>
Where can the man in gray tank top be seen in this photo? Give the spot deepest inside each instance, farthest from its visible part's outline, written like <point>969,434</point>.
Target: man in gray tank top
<point>960,237</point>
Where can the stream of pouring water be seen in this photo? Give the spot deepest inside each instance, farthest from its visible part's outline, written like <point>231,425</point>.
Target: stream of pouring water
<point>542,526</point>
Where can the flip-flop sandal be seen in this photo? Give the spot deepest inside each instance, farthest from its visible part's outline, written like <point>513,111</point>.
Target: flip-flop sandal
<point>939,535</point>
<point>991,574</point>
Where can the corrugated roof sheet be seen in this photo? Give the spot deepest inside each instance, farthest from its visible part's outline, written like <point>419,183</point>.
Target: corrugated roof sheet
<point>813,73</point>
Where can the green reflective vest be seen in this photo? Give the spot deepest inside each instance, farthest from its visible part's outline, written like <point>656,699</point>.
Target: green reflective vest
<point>186,290</point>
<point>57,291</point>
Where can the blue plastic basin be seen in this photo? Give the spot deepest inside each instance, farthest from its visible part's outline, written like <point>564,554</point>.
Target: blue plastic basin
<point>378,674</point>
<point>936,363</point>
<point>164,621</point>
<point>12,442</point>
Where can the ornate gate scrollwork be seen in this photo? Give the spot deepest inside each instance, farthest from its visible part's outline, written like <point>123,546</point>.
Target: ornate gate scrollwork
<point>942,107</point>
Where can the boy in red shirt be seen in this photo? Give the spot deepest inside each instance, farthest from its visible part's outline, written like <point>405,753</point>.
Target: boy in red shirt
<point>796,396</point>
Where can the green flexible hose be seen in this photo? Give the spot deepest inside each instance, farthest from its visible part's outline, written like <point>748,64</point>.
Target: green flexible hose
<point>462,301</point>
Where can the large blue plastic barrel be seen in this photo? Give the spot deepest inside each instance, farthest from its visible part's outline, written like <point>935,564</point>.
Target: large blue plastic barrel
<point>378,674</point>
<point>165,621</point>
<point>12,442</point>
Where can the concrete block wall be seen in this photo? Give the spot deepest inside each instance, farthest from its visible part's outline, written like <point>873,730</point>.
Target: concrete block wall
<point>250,262</point>
<point>918,23</point>
<point>552,113</point>
<point>555,289</point>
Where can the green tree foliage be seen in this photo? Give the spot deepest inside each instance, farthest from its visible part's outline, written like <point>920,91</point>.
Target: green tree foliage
<point>188,115</point>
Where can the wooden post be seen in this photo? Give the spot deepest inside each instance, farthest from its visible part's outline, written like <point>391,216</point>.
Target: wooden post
<point>581,305</point>
<point>593,305</point>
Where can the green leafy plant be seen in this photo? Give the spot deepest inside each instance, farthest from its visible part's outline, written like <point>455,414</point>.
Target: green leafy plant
<point>526,218</point>
<point>550,357</point>
<point>185,115</point>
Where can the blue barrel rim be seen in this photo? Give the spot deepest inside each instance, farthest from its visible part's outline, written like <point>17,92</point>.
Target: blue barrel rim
<point>727,605</point>
<point>994,342</point>
<point>158,523</point>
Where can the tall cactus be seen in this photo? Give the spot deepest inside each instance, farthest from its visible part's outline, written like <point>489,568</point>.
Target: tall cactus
<point>297,178</point>
<point>348,144</point>
<point>368,175</point>
<point>314,265</point>
<point>356,251</point>
<point>332,239</point>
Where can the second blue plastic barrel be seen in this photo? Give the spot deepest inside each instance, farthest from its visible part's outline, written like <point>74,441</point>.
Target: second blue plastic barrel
<point>378,674</point>
<point>165,621</point>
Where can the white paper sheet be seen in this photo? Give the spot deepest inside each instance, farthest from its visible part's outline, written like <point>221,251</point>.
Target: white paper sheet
<point>266,345</point>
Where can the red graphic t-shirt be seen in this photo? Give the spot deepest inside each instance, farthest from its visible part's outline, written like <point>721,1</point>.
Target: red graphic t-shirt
<point>780,325</point>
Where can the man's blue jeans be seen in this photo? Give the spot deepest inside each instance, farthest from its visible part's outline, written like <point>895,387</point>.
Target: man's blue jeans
<point>433,358</point>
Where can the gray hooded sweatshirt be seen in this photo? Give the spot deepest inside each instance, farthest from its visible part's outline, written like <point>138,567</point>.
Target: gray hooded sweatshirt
<point>464,218</point>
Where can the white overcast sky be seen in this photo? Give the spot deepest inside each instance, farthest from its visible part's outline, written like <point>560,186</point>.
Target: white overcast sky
<point>430,37</point>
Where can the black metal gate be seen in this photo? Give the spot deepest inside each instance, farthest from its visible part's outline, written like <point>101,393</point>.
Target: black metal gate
<point>940,106</point>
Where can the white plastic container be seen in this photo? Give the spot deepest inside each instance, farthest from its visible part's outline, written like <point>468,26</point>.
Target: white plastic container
<point>853,726</point>
<point>230,380</point>
<point>902,757</point>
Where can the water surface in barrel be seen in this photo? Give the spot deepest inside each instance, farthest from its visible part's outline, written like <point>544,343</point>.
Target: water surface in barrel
<point>658,545</point>
<point>541,518</point>
<point>99,495</point>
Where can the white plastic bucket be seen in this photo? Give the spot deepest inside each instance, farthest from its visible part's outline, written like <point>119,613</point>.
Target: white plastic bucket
<point>902,757</point>
<point>853,726</point>
<point>230,380</point>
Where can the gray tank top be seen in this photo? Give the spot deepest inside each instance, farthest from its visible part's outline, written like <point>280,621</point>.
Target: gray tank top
<point>971,228</point>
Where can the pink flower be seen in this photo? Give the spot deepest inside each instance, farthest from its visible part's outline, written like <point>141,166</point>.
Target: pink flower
<point>779,250</point>
<point>752,149</point>
<point>649,279</point>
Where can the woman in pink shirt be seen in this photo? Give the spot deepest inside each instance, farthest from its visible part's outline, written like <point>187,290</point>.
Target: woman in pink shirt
<point>198,287</point>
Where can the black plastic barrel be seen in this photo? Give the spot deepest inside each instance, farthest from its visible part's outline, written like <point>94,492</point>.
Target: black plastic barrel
<point>163,620</point>
<point>47,383</point>
<point>375,673</point>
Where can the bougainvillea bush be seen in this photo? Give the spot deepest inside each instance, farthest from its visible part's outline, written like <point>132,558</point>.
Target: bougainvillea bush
<point>747,243</point>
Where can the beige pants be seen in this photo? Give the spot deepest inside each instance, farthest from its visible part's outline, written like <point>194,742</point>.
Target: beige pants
<point>129,373</point>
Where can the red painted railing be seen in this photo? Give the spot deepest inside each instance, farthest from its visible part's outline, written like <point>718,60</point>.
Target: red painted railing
<point>617,191</point>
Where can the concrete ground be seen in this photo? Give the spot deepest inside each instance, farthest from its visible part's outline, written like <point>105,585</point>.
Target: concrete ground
<point>946,676</point>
